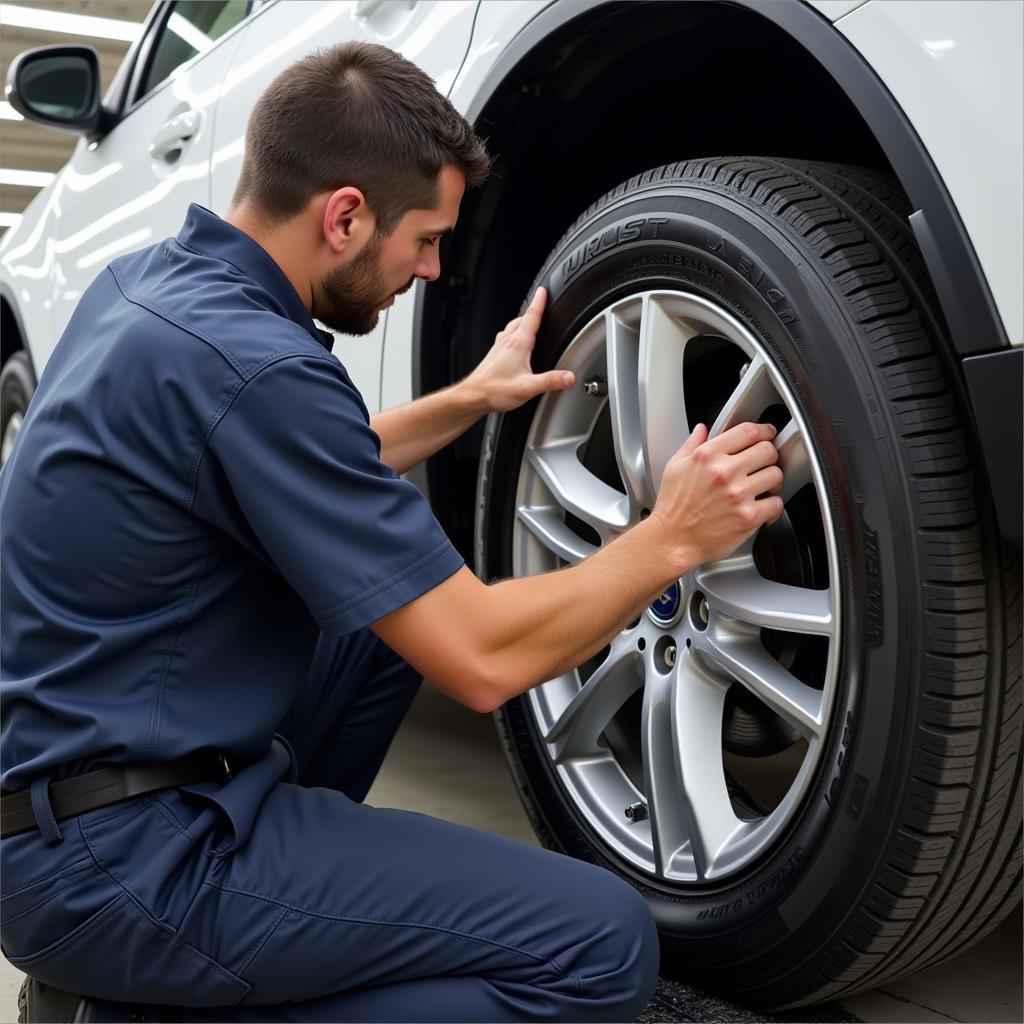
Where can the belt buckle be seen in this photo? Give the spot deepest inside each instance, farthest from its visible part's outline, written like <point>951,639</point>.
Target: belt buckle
<point>226,766</point>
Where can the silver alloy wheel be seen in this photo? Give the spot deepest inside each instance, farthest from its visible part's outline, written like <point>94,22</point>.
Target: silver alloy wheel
<point>10,436</point>
<point>682,817</point>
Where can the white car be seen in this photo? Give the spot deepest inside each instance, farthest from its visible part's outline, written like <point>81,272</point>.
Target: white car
<point>807,756</point>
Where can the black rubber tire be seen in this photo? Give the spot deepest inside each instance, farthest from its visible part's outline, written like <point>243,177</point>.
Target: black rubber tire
<point>42,1003</point>
<point>907,848</point>
<point>17,385</point>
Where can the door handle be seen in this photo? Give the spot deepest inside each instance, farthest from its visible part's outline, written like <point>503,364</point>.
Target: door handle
<point>367,8</point>
<point>173,133</point>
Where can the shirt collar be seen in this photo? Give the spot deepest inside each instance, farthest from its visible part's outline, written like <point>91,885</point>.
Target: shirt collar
<point>204,232</point>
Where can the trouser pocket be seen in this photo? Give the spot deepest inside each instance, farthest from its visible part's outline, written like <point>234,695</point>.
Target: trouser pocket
<point>121,953</point>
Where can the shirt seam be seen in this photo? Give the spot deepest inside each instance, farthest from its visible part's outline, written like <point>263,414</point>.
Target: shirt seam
<point>156,711</point>
<point>167,315</point>
<point>387,583</point>
<point>218,415</point>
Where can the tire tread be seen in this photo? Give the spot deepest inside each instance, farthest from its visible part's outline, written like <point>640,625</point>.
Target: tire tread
<point>952,868</point>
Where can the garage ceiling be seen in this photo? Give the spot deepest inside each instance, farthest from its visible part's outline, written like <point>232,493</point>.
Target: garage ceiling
<point>28,147</point>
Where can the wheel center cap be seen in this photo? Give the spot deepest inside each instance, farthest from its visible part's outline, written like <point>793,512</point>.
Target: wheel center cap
<point>665,611</point>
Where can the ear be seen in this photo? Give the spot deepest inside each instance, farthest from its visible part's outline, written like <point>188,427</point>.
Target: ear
<point>347,219</point>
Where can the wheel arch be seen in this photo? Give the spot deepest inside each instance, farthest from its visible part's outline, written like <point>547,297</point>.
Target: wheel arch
<point>578,101</point>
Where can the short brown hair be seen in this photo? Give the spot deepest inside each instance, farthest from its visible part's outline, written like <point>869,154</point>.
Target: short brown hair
<point>354,114</point>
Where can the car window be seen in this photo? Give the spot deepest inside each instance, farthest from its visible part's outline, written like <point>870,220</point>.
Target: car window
<point>192,27</point>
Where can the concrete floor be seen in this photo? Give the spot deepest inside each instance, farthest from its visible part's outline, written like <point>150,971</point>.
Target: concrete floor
<point>446,762</point>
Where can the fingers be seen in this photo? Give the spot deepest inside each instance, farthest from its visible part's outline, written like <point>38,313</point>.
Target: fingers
<point>764,481</point>
<point>742,436</point>
<point>558,380</point>
<point>695,440</point>
<point>530,320</point>
<point>757,456</point>
<point>771,508</point>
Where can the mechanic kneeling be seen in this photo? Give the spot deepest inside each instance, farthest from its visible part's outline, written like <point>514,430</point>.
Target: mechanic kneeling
<point>220,597</point>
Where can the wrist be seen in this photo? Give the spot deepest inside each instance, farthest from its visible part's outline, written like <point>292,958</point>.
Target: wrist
<point>674,548</point>
<point>471,398</point>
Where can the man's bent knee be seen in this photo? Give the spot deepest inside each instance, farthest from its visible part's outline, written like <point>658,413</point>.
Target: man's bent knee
<point>616,965</point>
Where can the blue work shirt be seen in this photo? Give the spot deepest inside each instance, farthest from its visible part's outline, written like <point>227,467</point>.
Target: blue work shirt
<point>196,493</point>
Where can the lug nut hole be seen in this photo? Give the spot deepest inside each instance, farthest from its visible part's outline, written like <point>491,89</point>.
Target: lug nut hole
<point>665,654</point>
<point>699,612</point>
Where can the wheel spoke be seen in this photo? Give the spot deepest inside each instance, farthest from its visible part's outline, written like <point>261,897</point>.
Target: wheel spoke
<point>661,406</point>
<point>578,490</point>
<point>545,522</point>
<point>622,348</point>
<point>669,830</point>
<point>578,727</point>
<point>738,652</point>
<point>751,396</point>
<point>688,801</point>
<point>699,706</point>
<point>793,461</point>
<point>733,586</point>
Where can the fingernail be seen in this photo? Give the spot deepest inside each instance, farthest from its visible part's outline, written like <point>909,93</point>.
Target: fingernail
<point>567,378</point>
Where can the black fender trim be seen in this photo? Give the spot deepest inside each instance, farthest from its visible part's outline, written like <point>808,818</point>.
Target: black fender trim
<point>974,321</point>
<point>995,382</point>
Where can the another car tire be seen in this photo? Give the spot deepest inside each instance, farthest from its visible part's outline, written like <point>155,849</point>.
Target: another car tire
<point>17,385</point>
<point>906,844</point>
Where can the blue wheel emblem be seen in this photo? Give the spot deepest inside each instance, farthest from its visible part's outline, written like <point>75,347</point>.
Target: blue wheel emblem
<point>666,609</point>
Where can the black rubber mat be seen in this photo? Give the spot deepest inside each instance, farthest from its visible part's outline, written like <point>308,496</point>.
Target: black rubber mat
<point>674,1001</point>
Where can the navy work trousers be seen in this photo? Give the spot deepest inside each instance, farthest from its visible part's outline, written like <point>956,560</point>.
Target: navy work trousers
<point>330,910</point>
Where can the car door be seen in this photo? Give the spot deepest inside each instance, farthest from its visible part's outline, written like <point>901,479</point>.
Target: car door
<point>133,186</point>
<point>434,34</point>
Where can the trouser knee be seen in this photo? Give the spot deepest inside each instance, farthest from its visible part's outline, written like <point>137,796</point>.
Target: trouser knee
<point>618,973</point>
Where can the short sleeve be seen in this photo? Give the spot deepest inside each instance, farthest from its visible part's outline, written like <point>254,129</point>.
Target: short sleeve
<point>301,462</point>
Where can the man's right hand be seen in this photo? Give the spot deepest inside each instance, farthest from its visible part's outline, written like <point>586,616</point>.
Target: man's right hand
<point>708,503</point>
<point>484,644</point>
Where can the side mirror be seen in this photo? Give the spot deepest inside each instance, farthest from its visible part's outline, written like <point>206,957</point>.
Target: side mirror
<point>57,86</point>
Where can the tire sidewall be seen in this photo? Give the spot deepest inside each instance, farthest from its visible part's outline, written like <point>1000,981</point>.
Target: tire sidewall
<point>17,385</point>
<point>703,241</point>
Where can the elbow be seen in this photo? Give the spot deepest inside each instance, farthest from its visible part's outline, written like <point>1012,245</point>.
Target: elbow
<point>488,689</point>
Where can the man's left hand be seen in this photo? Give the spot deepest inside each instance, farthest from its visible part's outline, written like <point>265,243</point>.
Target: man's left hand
<point>503,379</point>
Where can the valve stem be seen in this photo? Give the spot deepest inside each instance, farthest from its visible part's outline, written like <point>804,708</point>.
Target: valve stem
<point>637,812</point>
<point>595,387</point>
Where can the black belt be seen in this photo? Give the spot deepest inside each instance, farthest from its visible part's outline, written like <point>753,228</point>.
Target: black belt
<point>108,785</point>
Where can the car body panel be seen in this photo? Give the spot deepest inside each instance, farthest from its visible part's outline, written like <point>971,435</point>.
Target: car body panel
<point>113,197</point>
<point>956,71</point>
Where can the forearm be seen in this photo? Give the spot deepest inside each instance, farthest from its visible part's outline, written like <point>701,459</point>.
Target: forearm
<point>413,432</point>
<point>543,628</point>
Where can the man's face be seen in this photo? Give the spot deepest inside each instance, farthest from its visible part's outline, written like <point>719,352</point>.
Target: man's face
<point>350,298</point>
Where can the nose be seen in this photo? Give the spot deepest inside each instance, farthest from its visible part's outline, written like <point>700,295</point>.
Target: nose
<point>429,268</point>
